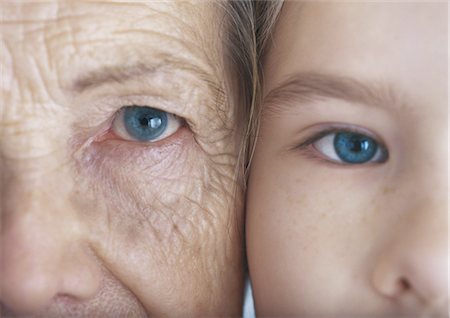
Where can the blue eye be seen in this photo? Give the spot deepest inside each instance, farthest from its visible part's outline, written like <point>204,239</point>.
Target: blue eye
<point>146,124</point>
<point>350,148</point>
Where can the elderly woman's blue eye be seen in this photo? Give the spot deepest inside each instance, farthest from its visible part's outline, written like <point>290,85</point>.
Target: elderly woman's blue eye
<point>350,148</point>
<point>145,124</point>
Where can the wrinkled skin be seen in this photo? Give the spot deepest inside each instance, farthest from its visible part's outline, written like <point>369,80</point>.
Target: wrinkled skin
<point>93,225</point>
<point>332,240</point>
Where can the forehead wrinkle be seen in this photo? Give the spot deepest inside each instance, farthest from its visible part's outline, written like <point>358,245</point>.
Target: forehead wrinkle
<point>185,48</point>
<point>190,51</point>
<point>310,86</point>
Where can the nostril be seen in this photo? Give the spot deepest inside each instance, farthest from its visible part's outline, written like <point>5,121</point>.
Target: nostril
<point>404,284</point>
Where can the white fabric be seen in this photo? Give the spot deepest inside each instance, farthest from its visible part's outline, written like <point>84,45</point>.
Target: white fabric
<point>249,307</point>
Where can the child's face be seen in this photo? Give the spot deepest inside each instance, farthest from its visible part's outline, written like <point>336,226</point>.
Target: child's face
<point>347,203</point>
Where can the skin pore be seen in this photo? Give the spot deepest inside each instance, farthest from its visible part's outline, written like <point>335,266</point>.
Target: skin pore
<point>327,238</point>
<point>95,223</point>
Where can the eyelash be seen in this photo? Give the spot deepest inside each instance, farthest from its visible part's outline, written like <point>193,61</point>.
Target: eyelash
<point>113,129</point>
<point>308,149</point>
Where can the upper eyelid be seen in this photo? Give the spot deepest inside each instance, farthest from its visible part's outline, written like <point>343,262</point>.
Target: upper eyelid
<point>104,109</point>
<point>315,137</point>
<point>165,90</point>
<point>162,78</point>
<point>339,128</point>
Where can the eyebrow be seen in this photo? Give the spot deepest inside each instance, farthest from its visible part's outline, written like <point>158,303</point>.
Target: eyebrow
<point>309,86</point>
<point>112,74</point>
<point>122,73</point>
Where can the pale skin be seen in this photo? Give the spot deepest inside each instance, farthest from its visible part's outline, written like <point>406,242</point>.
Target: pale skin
<point>94,223</point>
<point>327,239</point>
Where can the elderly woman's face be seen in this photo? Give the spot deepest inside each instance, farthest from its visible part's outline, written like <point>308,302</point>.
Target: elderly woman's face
<point>117,162</point>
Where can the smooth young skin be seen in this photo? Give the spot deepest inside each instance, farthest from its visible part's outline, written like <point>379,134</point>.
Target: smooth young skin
<point>94,224</point>
<point>333,240</point>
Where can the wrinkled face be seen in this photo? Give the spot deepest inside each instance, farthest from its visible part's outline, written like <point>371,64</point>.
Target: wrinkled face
<point>347,204</point>
<point>117,162</point>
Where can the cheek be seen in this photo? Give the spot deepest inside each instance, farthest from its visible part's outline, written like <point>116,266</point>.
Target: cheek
<point>155,214</point>
<point>308,223</point>
<point>143,190</point>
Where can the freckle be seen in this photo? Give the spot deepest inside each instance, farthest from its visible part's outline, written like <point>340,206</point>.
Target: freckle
<point>387,190</point>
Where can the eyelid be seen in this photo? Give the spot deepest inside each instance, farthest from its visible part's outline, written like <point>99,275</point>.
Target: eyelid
<point>322,133</point>
<point>117,126</point>
<point>306,145</point>
<point>108,106</point>
<point>335,128</point>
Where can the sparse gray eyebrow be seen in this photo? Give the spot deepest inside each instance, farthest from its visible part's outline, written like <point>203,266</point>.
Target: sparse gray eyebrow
<point>310,86</point>
<point>122,73</point>
<point>112,74</point>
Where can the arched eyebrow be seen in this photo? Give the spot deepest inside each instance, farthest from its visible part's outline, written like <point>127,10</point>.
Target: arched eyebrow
<point>309,86</point>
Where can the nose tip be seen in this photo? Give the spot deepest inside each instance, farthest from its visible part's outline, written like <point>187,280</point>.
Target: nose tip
<point>28,292</point>
<point>426,279</point>
<point>32,280</point>
<point>27,281</point>
<point>415,268</point>
<point>39,263</point>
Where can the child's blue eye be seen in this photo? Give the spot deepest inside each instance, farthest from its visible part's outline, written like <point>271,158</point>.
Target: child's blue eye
<point>146,124</point>
<point>350,148</point>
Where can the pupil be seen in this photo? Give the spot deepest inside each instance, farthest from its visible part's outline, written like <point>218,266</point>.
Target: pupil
<point>143,121</point>
<point>358,145</point>
<point>152,122</point>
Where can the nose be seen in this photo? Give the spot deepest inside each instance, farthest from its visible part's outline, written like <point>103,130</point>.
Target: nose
<point>413,267</point>
<point>42,256</point>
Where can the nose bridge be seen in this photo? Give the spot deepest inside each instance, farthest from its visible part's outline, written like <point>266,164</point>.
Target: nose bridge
<point>413,256</point>
<point>32,241</point>
<point>34,197</point>
<point>38,223</point>
<point>37,186</point>
<point>30,221</point>
<point>35,169</point>
<point>43,250</point>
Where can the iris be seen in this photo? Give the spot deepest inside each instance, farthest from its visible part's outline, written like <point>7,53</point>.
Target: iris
<point>144,123</point>
<point>354,148</point>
